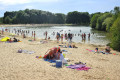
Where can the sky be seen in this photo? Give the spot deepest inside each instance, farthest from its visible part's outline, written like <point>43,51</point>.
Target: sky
<point>59,6</point>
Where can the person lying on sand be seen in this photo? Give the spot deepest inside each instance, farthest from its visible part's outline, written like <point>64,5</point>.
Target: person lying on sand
<point>68,46</point>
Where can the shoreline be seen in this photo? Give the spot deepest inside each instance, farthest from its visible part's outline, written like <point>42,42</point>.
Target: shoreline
<point>27,25</point>
<point>37,38</point>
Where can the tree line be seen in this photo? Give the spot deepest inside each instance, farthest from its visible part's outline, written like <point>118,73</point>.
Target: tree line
<point>44,17</point>
<point>110,22</point>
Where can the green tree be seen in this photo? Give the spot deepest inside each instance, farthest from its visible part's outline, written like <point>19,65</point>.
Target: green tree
<point>7,20</point>
<point>94,20</point>
<point>60,18</point>
<point>1,20</point>
<point>100,21</point>
<point>76,17</point>
<point>115,31</point>
<point>108,23</point>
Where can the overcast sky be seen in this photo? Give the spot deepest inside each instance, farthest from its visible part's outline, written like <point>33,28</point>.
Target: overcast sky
<point>59,6</point>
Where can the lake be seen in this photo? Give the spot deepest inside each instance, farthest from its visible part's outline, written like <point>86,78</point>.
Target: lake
<point>99,37</point>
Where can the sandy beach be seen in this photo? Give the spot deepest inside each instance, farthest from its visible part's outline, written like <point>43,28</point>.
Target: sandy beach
<point>24,66</point>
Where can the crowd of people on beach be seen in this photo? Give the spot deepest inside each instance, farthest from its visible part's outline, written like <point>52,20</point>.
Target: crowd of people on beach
<point>68,36</point>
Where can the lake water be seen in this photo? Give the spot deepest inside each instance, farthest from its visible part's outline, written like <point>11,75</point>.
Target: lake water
<point>98,37</point>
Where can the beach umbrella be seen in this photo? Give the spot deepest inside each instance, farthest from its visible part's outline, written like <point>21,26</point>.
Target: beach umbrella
<point>5,39</point>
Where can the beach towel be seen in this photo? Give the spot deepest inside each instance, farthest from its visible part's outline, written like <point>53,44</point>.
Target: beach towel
<point>25,51</point>
<point>76,66</point>
<point>11,42</point>
<point>79,67</point>
<point>29,52</point>
<point>30,40</point>
<point>51,61</point>
<point>83,68</point>
<point>90,50</point>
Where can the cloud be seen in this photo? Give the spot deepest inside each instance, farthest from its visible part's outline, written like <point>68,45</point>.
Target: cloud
<point>15,2</point>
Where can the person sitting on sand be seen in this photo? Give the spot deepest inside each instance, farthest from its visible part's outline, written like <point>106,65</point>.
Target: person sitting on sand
<point>57,55</point>
<point>52,53</point>
<point>107,49</point>
<point>72,46</point>
<point>10,40</point>
<point>15,40</point>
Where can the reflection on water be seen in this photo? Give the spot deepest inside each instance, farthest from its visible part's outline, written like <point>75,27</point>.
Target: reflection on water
<point>96,37</point>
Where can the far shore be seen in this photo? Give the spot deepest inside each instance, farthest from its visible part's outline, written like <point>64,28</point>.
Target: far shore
<point>28,25</point>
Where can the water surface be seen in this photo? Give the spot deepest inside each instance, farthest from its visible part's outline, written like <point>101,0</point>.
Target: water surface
<point>99,37</point>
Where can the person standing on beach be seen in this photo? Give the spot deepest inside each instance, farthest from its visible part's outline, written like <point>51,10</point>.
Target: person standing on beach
<point>24,35</point>
<point>62,38</point>
<point>28,31</point>
<point>80,30</point>
<point>58,37</point>
<point>34,35</point>
<point>2,31</point>
<point>45,33</point>
<point>68,36</point>
<point>65,36</point>
<point>84,36</point>
<point>89,36</point>
<point>71,35</point>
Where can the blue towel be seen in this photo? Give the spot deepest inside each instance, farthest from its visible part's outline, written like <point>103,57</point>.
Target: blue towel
<point>51,61</point>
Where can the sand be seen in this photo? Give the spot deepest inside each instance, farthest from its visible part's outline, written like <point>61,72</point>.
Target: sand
<point>24,66</point>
